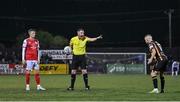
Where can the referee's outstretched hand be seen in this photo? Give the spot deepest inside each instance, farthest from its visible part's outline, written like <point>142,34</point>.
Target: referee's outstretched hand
<point>100,37</point>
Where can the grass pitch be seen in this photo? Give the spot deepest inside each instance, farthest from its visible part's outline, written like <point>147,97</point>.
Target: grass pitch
<point>105,87</point>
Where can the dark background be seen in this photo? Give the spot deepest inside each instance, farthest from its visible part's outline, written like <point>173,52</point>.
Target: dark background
<point>123,23</point>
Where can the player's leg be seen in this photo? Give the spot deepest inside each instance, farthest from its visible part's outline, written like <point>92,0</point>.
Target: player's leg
<point>29,67</point>
<point>172,72</point>
<point>162,81</point>
<point>27,74</point>
<point>162,67</point>
<point>155,81</point>
<point>37,76</point>
<point>176,71</point>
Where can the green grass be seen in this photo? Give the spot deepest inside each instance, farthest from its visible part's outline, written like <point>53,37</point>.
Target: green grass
<point>103,88</point>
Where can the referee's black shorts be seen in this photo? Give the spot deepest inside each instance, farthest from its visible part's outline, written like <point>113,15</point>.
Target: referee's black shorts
<point>79,61</point>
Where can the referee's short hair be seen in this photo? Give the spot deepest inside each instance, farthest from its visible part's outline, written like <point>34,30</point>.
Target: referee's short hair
<point>80,29</point>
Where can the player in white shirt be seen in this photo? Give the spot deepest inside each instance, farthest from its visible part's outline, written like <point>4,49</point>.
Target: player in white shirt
<point>175,68</point>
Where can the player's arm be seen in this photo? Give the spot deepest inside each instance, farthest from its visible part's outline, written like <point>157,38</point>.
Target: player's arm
<point>23,51</point>
<point>153,53</point>
<point>94,39</point>
<point>39,56</point>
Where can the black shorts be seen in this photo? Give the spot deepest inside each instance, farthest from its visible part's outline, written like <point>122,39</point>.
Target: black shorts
<point>161,65</point>
<point>79,61</point>
<point>175,69</point>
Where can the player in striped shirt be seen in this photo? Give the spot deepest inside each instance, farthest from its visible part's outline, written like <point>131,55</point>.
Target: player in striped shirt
<point>157,61</point>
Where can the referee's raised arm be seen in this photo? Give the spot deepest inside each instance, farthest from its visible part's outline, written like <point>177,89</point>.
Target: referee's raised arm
<point>94,39</point>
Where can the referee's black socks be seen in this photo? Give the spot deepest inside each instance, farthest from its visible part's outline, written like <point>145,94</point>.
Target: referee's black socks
<point>85,77</point>
<point>73,79</point>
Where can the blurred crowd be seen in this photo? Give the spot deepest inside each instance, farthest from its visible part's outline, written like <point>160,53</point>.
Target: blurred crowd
<point>14,57</point>
<point>10,56</point>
